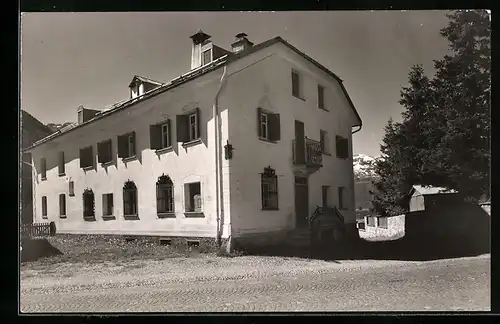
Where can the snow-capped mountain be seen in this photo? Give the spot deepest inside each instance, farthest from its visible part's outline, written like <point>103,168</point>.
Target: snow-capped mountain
<point>363,166</point>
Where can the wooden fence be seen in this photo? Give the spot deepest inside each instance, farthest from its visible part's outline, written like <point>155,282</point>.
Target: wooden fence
<point>38,229</point>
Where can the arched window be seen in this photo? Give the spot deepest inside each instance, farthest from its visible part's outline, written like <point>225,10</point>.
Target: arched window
<point>269,187</point>
<point>164,195</point>
<point>130,199</point>
<point>88,204</point>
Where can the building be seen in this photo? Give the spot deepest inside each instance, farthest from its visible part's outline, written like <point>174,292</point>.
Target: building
<point>245,145</point>
<point>32,130</point>
<point>438,213</point>
<point>381,227</point>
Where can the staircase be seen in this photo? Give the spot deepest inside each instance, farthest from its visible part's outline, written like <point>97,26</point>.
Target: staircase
<point>321,224</point>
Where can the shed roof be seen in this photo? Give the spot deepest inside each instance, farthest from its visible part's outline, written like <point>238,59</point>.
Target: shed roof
<point>431,190</point>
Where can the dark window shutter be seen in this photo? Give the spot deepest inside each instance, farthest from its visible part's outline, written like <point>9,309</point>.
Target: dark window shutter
<point>134,143</point>
<point>274,127</point>
<point>61,162</point>
<point>346,148</point>
<point>155,136</point>
<point>198,122</point>
<point>82,158</point>
<point>101,152</point>
<point>169,133</point>
<point>182,128</point>
<point>259,129</point>
<point>43,166</point>
<point>122,146</point>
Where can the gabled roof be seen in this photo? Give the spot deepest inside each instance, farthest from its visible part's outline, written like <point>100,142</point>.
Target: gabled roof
<point>193,74</point>
<point>144,79</point>
<point>430,190</point>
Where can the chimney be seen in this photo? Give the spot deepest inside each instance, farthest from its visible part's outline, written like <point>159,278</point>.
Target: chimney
<point>241,43</point>
<point>201,52</point>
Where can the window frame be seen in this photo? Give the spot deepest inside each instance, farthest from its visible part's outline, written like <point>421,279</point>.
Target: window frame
<point>321,97</point>
<point>44,207</point>
<point>166,134</point>
<point>266,124</point>
<point>193,134</point>
<point>385,225</point>
<point>43,168</point>
<point>341,144</point>
<point>295,76</point>
<point>165,186</point>
<point>103,158</point>
<point>128,155</point>
<point>341,197</point>
<point>62,206</point>
<point>184,130</point>
<point>88,204</point>
<point>133,204</point>
<point>83,150</point>
<point>189,201</point>
<point>272,125</point>
<point>370,224</point>
<point>106,208</point>
<point>324,142</point>
<point>62,164</point>
<point>269,189</point>
<point>209,50</point>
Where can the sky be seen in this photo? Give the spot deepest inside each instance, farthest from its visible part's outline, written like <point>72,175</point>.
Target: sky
<point>72,59</point>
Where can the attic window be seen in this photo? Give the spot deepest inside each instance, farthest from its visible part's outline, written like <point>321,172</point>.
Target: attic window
<point>206,57</point>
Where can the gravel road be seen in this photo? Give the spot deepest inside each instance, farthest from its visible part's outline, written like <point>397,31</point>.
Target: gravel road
<point>249,284</point>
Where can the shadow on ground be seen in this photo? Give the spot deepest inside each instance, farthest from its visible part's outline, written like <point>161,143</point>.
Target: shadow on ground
<point>34,249</point>
<point>403,249</point>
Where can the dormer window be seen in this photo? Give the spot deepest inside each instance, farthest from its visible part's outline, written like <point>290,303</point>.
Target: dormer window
<point>206,57</point>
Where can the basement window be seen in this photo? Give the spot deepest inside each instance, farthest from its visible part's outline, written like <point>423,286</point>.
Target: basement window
<point>193,243</point>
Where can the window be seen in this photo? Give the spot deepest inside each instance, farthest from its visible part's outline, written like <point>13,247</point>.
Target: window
<point>86,158</point>
<point>324,195</point>
<point>88,204</point>
<point>370,221</point>
<point>71,188</point>
<point>43,167</point>
<point>382,222</point>
<point>164,195</point>
<point>130,199</point>
<point>126,145</point>
<point>321,97</point>
<point>188,126</point>
<point>342,147</point>
<point>269,188</point>
<point>269,127</point>
<point>107,204</point>
<point>296,84</point>
<point>104,152</point>
<point>160,135</point>
<point>206,57</point>
<point>62,205</point>
<point>324,142</point>
<point>361,226</point>
<point>342,194</point>
<point>192,192</point>
<point>44,207</point>
<point>62,166</point>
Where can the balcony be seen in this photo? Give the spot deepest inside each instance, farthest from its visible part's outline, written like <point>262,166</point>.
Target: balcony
<point>307,152</point>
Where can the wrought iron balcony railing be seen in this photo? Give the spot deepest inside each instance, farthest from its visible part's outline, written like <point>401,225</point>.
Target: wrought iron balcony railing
<point>307,152</point>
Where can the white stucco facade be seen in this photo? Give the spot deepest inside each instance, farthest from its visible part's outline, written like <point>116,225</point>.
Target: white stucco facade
<point>261,79</point>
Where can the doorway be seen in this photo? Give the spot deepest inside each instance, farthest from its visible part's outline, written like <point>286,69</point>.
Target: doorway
<point>301,202</point>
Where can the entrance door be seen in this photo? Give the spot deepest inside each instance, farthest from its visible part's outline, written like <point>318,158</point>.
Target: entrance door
<point>300,145</point>
<point>301,202</point>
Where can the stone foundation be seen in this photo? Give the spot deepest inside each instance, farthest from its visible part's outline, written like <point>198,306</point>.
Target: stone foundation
<point>259,240</point>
